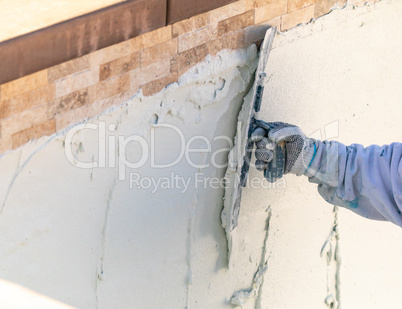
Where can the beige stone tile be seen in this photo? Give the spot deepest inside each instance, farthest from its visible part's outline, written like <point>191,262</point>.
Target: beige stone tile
<point>65,119</point>
<point>68,68</point>
<point>110,53</point>
<point>322,7</point>
<point>45,128</point>
<point>190,24</point>
<point>234,40</point>
<point>100,106</point>
<point>135,44</point>
<point>68,102</point>
<point>23,120</point>
<point>227,11</point>
<point>236,23</point>
<point>27,100</point>
<point>109,87</point>
<point>250,4</point>
<point>24,84</point>
<point>157,85</point>
<point>119,66</point>
<point>149,73</point>
<point>189,57</point>
<point>297,17</point>
<point>77,81</point>
<point>156,53</point>
<point>274,22</point>
<point>270,10</point>
<point>156,37</point>
<point>261,3</point>
<point>197,37</point>
<point>6,144</point>
<point>295,5</point>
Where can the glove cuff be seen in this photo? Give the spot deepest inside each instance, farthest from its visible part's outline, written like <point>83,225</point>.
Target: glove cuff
<point>306,156</point>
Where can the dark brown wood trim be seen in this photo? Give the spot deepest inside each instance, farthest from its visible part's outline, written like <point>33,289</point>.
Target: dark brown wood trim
<point>76,37</point>
<point>182,9</point>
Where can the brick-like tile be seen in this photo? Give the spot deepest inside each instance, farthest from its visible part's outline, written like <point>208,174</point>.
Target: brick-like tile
<point>71,101</point>
<point>156,53</point>
<point>227,11</point>
<point>156,37</point>
<point>39,130</point>
<point>274,22</point>
<point>27,100</point>
<point>68,68</point>
<point>157,85</point>
<point>100,106</point>
<point>135,44</point>
<point>119,66</point>
<point>250,4</point>
<point>24,84</point>
<point>109,87</point>
<point>6,144</point>
<point>149,73</point>
<point>261,3</point>
<point>191,24</point>
<point>23,120</point>
<point>189,57</point>
<point>184,61</point>
<point>295,5</point>
<point>233,40</point>
<point>197,37</point>
<point>110,53</point>
<point>322,7</point>
<point>270,10</point>
<point>236,23</point>
<point>65,119</point>
<point>77,81</point>
<point>297,17</point>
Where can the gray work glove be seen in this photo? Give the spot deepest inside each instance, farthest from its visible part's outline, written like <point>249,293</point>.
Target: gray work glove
<point>299,148</point>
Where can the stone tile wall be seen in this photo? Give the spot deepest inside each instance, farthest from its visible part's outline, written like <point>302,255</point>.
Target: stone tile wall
<point>48,101</point>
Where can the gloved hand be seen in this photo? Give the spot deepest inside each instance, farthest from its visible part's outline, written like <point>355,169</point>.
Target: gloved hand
<point>300,150</point>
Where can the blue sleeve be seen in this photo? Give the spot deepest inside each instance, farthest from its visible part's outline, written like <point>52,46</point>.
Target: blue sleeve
<point>368,181</point>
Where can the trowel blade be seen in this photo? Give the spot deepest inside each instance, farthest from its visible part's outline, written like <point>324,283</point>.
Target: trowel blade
<point>251,109</point>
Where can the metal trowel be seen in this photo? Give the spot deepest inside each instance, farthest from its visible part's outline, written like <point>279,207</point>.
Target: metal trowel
<point>240,156</point>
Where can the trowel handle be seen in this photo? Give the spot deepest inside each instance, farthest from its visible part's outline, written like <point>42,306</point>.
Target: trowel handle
<point>277,166</point>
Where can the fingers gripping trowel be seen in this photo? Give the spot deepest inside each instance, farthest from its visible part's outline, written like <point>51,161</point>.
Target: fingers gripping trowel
<point>240,155</point>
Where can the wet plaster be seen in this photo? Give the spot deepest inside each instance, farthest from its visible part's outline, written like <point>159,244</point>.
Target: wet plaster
<point>94,238</point>
<point>331,252</point>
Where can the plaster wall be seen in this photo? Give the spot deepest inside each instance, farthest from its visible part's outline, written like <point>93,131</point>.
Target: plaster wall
<point>84,237</point>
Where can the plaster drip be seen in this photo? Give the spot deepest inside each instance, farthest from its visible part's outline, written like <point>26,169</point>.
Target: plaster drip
<point>331,250</point>
<point>105,229</point>
<point>21,168</point>
<point>241,297</point>
<point>190,241</point>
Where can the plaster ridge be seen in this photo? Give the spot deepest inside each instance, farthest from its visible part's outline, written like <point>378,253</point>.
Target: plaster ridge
<point>105,229</point>
<point>22,166</point>
<point>190,230</point>
<point>331,250</point>
<point>241,297</point>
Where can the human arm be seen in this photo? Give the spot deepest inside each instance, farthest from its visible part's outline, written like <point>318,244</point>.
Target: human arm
<point>367,181</point>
